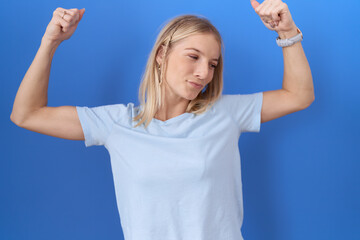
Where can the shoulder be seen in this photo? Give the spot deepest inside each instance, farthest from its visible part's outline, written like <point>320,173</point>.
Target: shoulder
<point>110,112</point>
<point>244,109</point>
<point>229,101</point>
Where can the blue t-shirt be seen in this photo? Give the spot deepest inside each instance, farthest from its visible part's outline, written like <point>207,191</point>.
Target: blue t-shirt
<point>179,179</point>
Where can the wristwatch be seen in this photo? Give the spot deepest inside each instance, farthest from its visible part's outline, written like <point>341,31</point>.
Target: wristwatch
<point>289,41</point>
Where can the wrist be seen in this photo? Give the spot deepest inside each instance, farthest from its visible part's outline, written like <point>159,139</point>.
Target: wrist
<point>289,38</point>
<point>49,46</point>
<point>288,34</point>
<point>49,42</point>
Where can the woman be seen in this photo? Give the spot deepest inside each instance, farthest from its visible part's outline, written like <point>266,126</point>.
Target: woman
<point>175,158</point>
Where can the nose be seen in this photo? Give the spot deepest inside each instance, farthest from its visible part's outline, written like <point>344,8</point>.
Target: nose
<point>201,71</point>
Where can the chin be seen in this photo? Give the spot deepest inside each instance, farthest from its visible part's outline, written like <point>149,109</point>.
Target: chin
<point>191,96</point>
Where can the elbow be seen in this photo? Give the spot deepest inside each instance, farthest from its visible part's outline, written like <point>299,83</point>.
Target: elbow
<point>308,102</point>
<point>312,99</point>
<point>15,119</point>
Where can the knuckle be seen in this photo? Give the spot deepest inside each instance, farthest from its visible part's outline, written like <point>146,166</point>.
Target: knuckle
<point>71,11</point>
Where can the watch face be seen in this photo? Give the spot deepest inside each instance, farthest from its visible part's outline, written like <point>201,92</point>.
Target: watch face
<point>300,32</point>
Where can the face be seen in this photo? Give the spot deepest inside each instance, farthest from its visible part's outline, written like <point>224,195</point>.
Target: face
<point>191,65</point>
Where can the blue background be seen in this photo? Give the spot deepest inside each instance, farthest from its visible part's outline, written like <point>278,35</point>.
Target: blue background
<point>300,173</point>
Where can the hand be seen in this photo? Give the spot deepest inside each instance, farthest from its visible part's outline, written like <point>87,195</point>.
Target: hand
<point>63,24</point>
<point>275,15</point>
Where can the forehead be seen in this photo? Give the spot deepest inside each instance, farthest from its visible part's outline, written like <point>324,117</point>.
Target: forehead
<point>206,43</point>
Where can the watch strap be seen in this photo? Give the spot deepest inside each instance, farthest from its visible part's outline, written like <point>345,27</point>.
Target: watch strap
<point>290,41</point>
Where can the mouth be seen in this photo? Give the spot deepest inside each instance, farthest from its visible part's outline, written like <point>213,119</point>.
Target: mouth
<point>195,85</point>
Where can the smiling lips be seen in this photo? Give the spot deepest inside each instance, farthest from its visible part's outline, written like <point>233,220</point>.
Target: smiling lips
<point>196,85</point>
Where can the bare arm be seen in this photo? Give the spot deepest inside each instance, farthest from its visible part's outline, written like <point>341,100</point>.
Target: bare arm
<point>30,108</point>
<point>297,91</point>
<point>297,74</point>
<point>32,93</point>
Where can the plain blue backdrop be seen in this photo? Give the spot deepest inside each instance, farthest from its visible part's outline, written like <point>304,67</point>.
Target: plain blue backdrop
<point>300,173</point>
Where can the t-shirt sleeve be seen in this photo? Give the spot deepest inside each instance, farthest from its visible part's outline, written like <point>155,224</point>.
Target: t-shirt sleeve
<point>97,122</point>
<point>245,109</point>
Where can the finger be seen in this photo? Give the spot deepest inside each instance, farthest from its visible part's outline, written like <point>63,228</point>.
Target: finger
<point>276,12</point>
<point>62,10</point>
<point>65,16</point>
<point>75,13</point>
<point>275,16</point>
<point>82,11</point>
<point>265,8</point>
<point>69,16</point>
<point>254,3</point>
<point>58,20</point>
<point>271,13</point>
<point>265,19</point>
<point>65,25</point>
<point>259,7</point>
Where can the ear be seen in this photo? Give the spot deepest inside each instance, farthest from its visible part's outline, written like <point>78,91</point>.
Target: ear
<point>159,56</point>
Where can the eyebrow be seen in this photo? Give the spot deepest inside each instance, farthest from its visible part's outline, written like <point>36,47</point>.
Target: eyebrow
<point>215,59</point>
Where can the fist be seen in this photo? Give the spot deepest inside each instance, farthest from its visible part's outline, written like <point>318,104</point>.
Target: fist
<point>275,15</point>
<point>63,24</point>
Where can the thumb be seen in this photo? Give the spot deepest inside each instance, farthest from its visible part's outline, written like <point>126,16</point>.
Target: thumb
<point>254,3</point>
<point>82,11</point>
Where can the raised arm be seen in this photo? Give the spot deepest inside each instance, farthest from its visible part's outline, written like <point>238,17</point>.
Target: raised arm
<point>297,91</point>
<point>30,108</point>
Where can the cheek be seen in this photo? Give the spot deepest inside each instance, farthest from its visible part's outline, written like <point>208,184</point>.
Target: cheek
<point>179,70</point>
<point>184,66</point>
<point>211,77</point>
<point>175,65</point>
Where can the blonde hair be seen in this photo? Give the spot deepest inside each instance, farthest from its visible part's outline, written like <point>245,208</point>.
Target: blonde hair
<point>175,30</point>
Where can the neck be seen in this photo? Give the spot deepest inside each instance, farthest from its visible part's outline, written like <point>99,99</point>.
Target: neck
<point>172,106</point>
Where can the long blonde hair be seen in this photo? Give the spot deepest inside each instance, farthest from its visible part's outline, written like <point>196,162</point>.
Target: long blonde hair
<point>175,30</point>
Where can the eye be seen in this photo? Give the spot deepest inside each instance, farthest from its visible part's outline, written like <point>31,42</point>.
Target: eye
<point>196,57</point>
